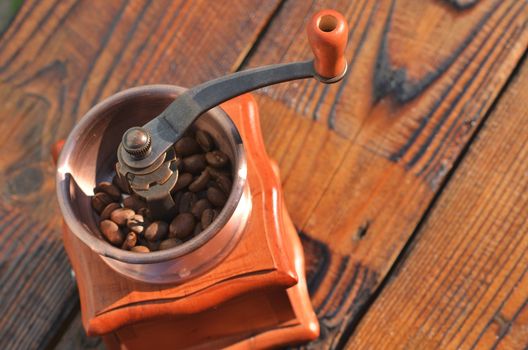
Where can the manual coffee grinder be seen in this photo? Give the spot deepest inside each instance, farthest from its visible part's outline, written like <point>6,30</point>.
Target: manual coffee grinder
<point>241,282</point>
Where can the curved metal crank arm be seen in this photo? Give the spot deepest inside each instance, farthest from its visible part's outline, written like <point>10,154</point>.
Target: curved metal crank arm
<point>327,34</point>
<point>169,126</point>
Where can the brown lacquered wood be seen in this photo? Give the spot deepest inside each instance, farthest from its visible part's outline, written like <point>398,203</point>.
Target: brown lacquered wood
<point>464,281</point>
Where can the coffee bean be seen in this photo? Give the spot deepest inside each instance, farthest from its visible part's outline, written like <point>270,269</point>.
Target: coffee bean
<point>130,241</point>
<point>179,164</point>
<point>215,173</point>
<point>224,183</point>
<point>134,203</point>
<point>100,201</point>
<point>116,181</point>
<point>121,215</point>
<point>153,246</point>
<point>216,196</point>
<point>105,214</point>
<point>181,226</point>
<point>169,243</point>
<point>112,232</point>
<point>111,190</point>
<point>136,224</point>
<point>186,202</point>
<point>200,182</point>
<point>145,212</point>
<point>184,179</point>
<point>216,159</point>
<point>140,249</point>
<point>205,140</point>
<point>208,216</point>
<point>197,229</point>
<point>194,164</point>
<point>186,146</point>
<point>199,207</point>
<point>156,231</point>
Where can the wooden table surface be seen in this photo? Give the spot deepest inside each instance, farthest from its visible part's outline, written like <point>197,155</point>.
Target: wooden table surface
<point>408,181</point>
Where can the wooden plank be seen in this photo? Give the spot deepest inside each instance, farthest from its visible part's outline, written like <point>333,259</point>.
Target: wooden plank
<point>36,287</point>
<point>362,160</point>
<point>464,281</point>
<point>75,338</point>
<point>59,58</point>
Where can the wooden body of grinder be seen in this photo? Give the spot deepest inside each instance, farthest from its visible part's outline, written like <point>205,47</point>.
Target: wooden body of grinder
<point>240,285</point>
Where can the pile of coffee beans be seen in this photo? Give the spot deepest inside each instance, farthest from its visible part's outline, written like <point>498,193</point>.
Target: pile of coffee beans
<point>203,186</point>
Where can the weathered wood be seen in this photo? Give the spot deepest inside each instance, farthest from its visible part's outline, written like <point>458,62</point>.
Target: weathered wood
<point>75,338</point>
<point>59,58</point>
<point>362,160</point>
<point>463,283</point>
<point>37,291</point>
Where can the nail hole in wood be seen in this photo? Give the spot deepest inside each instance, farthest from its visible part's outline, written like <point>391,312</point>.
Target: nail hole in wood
<point>362,231</point>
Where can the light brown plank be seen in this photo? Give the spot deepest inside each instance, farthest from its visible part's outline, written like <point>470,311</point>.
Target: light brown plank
<point>59,58</point>
<point>362,160</point>
<point>464,282</point>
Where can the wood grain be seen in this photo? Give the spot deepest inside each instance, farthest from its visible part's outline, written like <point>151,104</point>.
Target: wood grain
<point>362,160</point>
<point>464,281</point>
<point>59,58</point>
<point>36,288</point>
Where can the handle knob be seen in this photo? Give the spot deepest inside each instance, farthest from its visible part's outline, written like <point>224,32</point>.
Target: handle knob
<point>328,35</point>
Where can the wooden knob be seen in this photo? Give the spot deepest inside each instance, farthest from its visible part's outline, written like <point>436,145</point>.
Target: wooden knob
<point>328,34</point>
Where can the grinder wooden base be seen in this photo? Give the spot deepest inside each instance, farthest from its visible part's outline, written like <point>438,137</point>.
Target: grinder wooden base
<point>255,298</point>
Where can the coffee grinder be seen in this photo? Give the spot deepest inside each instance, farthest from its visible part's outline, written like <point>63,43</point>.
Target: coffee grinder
<point>238,284</point>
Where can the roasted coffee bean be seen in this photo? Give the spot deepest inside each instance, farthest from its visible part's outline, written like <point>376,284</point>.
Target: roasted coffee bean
<point>153,246</point>
<point>179,164</point>
<point>224,183</point>
<point>184,179</point>
<point>140,249</point>
<point>116,181</point>
<point>111,190</point>
<point>216,159</point>
<point>186,202</point>
<point>199,207</point>
<point>182,226</point>
<point>105,214</point>
<point>215,173</point>
<point>156,231</point>
<point>145,212</point>
<point>112,232</point>
<point>194,164</point>
<point>197,229</point>
<point>136,224</point>
<point>216,196</point>
<point>200,182</point>
<point>121,215</point>
<point>130,241</point>
<point>169,243</point>
<point>100,201</point>
<point>187,146</point>
<point>134,203</point>
<point>205,140</point>
<point>208,216</point>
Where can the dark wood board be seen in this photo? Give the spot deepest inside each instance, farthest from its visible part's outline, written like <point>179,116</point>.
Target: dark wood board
<point>59,58</point>
<point>362,160</point>
<point>464,281</point>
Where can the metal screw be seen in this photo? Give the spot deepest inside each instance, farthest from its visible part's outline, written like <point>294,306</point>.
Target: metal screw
<point>136,142</point>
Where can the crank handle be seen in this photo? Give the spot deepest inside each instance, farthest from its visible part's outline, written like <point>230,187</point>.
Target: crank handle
<point>327,34</point>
